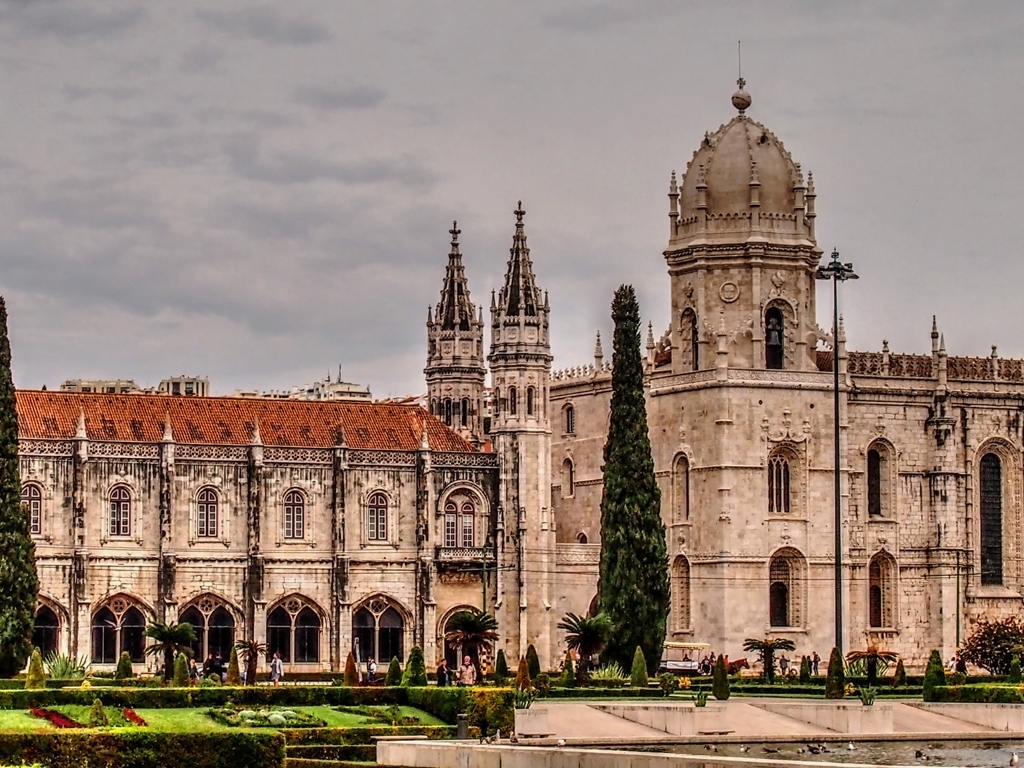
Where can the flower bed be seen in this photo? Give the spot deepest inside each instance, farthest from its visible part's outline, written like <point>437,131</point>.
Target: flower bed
<point>132,717</point>
<point>276,717</point>
<point>56,719</point>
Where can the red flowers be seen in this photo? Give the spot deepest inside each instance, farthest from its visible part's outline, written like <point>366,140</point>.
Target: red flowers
<point>131,716</point>
<point>56,718</point>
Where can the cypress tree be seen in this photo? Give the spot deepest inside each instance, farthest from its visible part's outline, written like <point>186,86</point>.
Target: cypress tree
<point>532,661</point>
<point>351,673</point>
<point>124,667</point>
<point>523,680</point>
<point>234,673</point>
<point>900,676</point>
<point>394,676</point>
<point>633,582</point>
<point>180,671</point>
<point>19,584</point>
<point>720,681</point>
<point>500,668</point>
<point>805,670</point>
<point>568,678</point>
<point>415,674</point>
<point>934,674</point>
<point>835,680</point>
<point>36,677</point>
<point>638,675</point>
<point>1014,676</point>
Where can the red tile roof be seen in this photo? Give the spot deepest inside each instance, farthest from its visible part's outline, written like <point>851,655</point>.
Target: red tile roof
<point>230,421</point>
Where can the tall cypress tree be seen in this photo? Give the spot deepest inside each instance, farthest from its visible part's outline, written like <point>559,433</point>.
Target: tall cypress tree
<point>19,585</point>
<point>633,582</point>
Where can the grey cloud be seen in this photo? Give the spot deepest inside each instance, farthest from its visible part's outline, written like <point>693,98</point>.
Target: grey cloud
<point>121,93</point>
<point>267,25</point>
<point>598,17</point>
<point>71,21</point>
<point>202,58</point>
<point>352,97</point>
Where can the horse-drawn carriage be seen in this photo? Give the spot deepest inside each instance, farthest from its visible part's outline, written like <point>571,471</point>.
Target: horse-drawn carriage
<point>683,658</point>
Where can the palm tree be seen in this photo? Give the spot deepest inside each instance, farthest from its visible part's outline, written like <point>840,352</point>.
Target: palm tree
<point>249,652</point>
<point>472,631</point>
<point>587,635</point>
<point>871,658</point>
<point>766,649</point>
<point>171,639</point>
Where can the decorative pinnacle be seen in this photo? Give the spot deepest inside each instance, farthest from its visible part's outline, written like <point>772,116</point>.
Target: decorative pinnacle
<point>650,335</point>
<point>598,352</point>
<point>455,232</point>
<point>935,328</point>
<point>80,428</point>
<point>519,212</point>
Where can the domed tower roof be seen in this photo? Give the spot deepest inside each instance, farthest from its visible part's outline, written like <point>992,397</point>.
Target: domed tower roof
<point>741,179</point>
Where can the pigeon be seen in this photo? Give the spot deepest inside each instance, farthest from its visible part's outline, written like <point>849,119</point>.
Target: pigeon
<point>513,739</point>
<point>800,750</point>
<point>814,750</point>
<point>850,747</point>
<point>919,754</point>
<point>744,748</point>
<point>561,742</point>
<point>770,750</point>
<point>1014,760</point>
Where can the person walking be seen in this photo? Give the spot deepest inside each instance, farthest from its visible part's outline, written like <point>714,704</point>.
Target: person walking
<point>371,671</point>
<point>467,672</point>
<point>444,675</point>
<point>276,668</point>
<point>815,660</point>
<point>193,672</point>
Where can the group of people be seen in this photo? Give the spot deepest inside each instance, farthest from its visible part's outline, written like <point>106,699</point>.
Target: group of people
<point>464,675</point>
<point>214,665</point>
<point>706,666</point>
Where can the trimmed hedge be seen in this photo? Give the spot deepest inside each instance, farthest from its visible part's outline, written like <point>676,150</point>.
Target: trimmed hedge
<point>605,693</point>
<point>977,694</point>
<point>488,709</point>
<point>143,749</point>
<point>358,736</point>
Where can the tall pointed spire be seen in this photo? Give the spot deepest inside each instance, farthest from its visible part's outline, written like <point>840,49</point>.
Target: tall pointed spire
<point>455,310</point>
<point>520,294</point>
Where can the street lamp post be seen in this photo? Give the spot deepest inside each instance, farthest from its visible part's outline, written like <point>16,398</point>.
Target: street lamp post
<point>837,272</point>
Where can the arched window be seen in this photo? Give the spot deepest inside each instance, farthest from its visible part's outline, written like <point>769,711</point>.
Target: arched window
<point>120,511</point>
<point>690,339</point>
<point>451,524</point>
<point>774,339</point>
<point>46,631</point>
<point>448,411</point>
<point>214,626</point>
<point>681,594</point>
<point>32,500</point>
<point>512,401</point>
<point>118,627</point>
<point>206,507</point>
<point>496,402</point>
<point>467,537</point>
<point>880,493</point>
<point>581,537</point>
<point>379,630</point>
<point>465,411</point>
<point>530,395</point>
<point>293,630</point>
<point>568,479</point>
<point>681,490</point>
<point>377,517</point>
<point>778,485</point>
<point>785,589</point>
<point>881,592</point>
<point>294,515</point>
<point>991,519</point>
<point>570,420</point>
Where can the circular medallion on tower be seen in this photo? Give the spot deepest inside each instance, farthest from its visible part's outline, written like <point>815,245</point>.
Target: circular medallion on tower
<point>729,292</point>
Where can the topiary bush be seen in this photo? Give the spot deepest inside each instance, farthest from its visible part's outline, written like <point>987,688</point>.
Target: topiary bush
<point>415,669</point>
<point>1014,674</point>
<point>351,673</point>
<point>720,680</point>
<point>835,679</point>
<point>532,661</point>
<point>234,674</point>
<point>568,678</point>
<point>542,684</point>
<point>98,715</point>
<point>523,680</point>
<point>899,677</point>
<point>500,668</point>
<point>669,683</point>
<point>180,671</point>
<point>805,670</point>
<point>124,667</point>
<point>36,677</point>
<point>934,675</point>
<point>638,674</point>
<point>394,676</point>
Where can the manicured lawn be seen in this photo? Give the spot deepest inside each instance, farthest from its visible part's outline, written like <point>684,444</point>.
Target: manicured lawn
<point>21,720</point>
<point>180,720</point>
<point>336,719</point>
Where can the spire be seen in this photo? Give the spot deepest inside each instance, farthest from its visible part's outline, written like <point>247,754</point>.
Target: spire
<point>598,352</point>
<point>455,310</point>
<point>520,294</point>
<point>168,432</point>
<point>257,439</point>
<point>80,433</point>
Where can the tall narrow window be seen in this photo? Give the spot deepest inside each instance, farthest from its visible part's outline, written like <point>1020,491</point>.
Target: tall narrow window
<point>874,485</point>
<point>778,485</point>
<point>377,517</point>
<point>206,502</point>
<point>681,594</point>
<point>294,515</point>
<point>512,401</point>
<point>774,339</point>
<point>379,630</point>
<point>881,591</point>
<point>32,500</point>
<point>690,339</point>
<point>466,533</point>
<point>307,636</point>
<point>451,524</point>
<point>530,395</point>
<point>991,519</point>
<point>568,479</point>
<point>120,511</point>
<point>448,411</point>
<point>293,630</point>
<point>279,634</point>
<point>681,490</point>
<point>464,411</point>
<point>785,589</point>
<point>695,341</point>
<point>570,420</point>
<point>496,402</point>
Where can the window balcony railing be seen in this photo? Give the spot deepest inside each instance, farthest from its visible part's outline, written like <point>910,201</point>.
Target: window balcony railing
<point>464,554</point>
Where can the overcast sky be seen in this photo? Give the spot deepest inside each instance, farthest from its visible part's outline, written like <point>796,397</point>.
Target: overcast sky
<point>261,192</point>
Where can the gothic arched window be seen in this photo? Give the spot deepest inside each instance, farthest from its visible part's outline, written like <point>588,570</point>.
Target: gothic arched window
<point>206,513</point>
<point>465,411</point>
<point>293,630</point>
<point>120,511</point>
<point>570,420</point>
<point>880,493</point>
<point>46,631</point>
<point>881,592</point>
<point>681,594</point>
<point>512,401</point>
<point>681,490</point>
<point>32,500</point>
<point>467,525</point>
<point>568,479</point>
<point>118,627</point>
<point>451,524</point>
<point>778,485</point>
<point>379,630</point>
<point>214,627</point>
<point>294,515</point>
<point>785,589</point>
<point>531,394</point>
<point>774,339</point>
<point>691,339</point>
<point>991,519</point>
<point>448,411</point>
<point>377,517</point>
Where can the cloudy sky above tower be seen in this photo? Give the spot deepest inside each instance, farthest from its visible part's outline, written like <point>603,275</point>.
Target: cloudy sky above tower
<point>259,192</point>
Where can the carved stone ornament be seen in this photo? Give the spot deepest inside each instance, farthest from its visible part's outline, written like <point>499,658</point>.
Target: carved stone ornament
<point>785,433</point>
<point>729,292</point>
<point>778,284</point>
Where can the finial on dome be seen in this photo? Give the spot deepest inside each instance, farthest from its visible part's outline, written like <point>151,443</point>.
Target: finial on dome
<point>741,99</point>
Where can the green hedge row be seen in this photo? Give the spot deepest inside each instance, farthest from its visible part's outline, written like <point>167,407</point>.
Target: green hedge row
<point>144,749</point>
<point>365,752</point>
<point>606,693</point>
<point>489,709</point>
<point>978,694</point>
<point>361,736</point>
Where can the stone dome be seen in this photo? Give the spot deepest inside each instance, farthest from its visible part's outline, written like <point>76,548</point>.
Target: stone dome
<point>728,160</point>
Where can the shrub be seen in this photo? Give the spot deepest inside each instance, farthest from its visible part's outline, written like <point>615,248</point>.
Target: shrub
<point>568,678</point>
<point>1014,675</point>
<point>668,683</point>
<point>415,670</point>
<point>351,673</point>
<point>36,677</point>
<point>991,644</point>
<point>394,676</point>
<point>835,680</point>
<point>488,709</point>
<point>638,675</point>
<point>900,675</point>
<point>265,718</point>
<point>61,666</point>
<point>805,670</point>
<point>124,667</point>
<point>542,684</point>
<point>180,671</point>
<point>523,681</point>
<point>934,674</point>
<point>234,674</point>
<point>532,661</point>
<point>98,715</point>
<point>978,693</point>
<point>720,681</point>
<point>611,675</point>
<point>500,668</point>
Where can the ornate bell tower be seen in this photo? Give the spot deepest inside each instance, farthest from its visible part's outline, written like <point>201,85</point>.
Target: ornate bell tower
<point>455,353</point>
<point>520,361</point>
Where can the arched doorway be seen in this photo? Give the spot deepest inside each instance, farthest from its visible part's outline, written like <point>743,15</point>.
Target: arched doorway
<point>378,631</point>
<point>453,653</point>
<point>46,631</point>
<point>118,626</point>
<point>214,625</point>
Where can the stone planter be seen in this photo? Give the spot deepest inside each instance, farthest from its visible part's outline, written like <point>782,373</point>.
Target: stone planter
<point>532,722</point>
